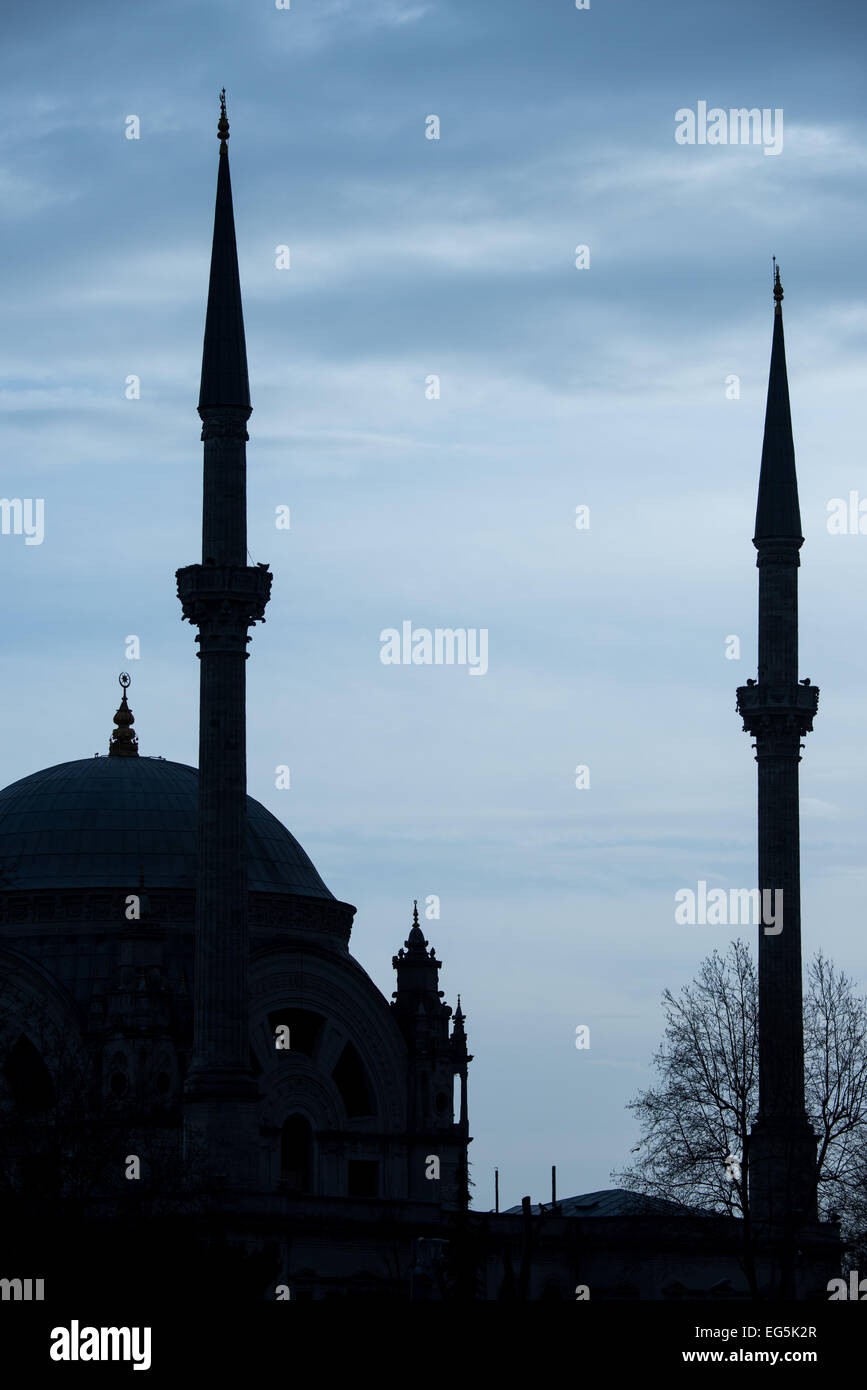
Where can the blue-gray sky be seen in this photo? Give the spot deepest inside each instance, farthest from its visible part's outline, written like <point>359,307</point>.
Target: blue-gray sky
<point>604,386</point>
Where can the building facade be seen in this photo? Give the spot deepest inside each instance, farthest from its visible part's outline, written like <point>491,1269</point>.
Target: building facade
<point>190,1053</point>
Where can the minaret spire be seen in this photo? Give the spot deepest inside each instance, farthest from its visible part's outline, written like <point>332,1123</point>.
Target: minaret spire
<point>223,597</point>
<point>224,358</point>
<point>223,124</point>
<point>778,711</point>
<point>778,513</point>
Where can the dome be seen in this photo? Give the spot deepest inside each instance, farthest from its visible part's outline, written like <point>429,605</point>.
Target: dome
<point>101,822</point>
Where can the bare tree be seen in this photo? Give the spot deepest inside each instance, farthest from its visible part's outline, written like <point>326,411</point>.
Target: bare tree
<point>835,1055</point>
<point>696,1120</point>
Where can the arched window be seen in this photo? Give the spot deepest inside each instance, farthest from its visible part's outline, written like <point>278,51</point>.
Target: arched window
<point>351,1082</point>
<point>28,1077</point>
<point>296,1155</point>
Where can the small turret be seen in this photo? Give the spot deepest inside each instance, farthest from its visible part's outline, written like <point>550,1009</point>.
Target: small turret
<point>418,976</point>
<point>435,1059</point>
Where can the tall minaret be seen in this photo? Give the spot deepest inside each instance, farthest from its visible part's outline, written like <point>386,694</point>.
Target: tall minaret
<point>778,711</point>
<point>223,597</point>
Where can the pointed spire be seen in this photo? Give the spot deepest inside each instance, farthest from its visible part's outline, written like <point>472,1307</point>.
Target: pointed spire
<point>460,1016</point>
<point>223,124</point>
<point>778,514</point>
<point>224,356</point>
<point>123,742</point>
<point>417,968</point>
<point>416,938</point>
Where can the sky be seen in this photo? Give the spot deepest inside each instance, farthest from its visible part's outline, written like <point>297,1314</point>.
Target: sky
<point>633,386</point>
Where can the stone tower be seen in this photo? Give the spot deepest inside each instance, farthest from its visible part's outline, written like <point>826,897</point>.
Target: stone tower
<point>778,711</point>
<point>223,597</point>
<point>434,1059</point>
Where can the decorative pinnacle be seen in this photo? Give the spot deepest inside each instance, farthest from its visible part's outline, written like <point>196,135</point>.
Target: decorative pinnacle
<point>123,742</point>
<point>223,124</point>
<point>778,289</point>
<point>415,941</point>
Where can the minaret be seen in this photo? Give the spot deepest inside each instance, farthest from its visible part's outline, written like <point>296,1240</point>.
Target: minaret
<point>778,711</point>
<point>223,597</point>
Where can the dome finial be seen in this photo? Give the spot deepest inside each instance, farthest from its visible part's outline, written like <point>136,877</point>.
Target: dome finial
<point>415,912</point>
<point>223,124</point>
<point>123,742</point>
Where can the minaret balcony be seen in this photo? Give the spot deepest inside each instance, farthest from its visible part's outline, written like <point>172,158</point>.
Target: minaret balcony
<point>208,592</point>
<point>777,708</point>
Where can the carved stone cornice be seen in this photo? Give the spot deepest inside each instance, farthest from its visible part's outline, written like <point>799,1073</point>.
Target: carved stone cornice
<point>105,908</point>
<point>322,915</point>
<point>224,424</point>
<point>778,716</point>
<point>782,553</point>
<point>88,907</point>
<point>777,711</point>
<point>223,600</point>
